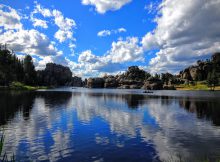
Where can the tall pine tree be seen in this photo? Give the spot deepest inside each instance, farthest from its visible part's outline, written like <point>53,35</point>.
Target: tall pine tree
<point>30,75</point>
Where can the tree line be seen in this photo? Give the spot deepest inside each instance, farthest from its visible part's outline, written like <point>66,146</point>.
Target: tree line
<point>14,69</point>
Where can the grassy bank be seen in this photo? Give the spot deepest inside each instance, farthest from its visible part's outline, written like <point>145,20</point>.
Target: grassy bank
<point>196,86</point>
<point>21,86</point>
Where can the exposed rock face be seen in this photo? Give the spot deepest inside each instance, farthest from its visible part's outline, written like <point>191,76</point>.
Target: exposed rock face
<point>54,75</point>
<point>134,73</point>
<point>153,84</point>
<point>133,78</point>
<point>216,58</point>
<point>75,82</point>
<point>202,69</point>
<point>195,73</point>
<point>110,82</point>
<point>95,83</point>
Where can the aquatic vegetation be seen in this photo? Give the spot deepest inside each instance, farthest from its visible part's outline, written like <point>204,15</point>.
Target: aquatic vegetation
<point>4,157</point>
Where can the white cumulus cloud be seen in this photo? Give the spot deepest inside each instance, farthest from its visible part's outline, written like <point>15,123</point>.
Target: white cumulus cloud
<point>65,25</point>
<point>121,52</point>
<point>103,6</point>
<point>105,33</point>
<point>186,31</point>
<point>9,18</point>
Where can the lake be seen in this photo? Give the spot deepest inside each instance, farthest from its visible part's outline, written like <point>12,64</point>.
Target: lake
<point>80,125</point>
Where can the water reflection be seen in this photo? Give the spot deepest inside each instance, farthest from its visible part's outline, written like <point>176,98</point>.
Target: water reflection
<point>80,126</point>
<point>207,109</point>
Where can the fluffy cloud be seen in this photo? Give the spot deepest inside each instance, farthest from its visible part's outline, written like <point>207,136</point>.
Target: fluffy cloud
<point>186,31</point>
<point>103,6</point>
<point>29,42</point>
<point>105,33</point>
<point>9,18</point>
<point>65,25</point>
<point>33,42</point>
<point>125,51</point>
<point>39,23</point>
<point>113,61</point>
<point>21,40</point>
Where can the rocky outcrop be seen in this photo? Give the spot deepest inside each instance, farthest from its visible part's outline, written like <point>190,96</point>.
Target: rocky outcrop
<point>95,83</point>
<point>110,82</point>
<point>75,82</point>
<point>135,78</point>
<point>153,84</point>
<point>54,75</point>
<point>201,71</point>
<point>134,73</point>
<point>132,79</point>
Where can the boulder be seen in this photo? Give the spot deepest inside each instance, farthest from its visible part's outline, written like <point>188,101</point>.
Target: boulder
<point>216,58</point>
<point>54,75</point>
<point>110,82</point>
<point>195,73</point>
<point>75,82</point>
<point>95,83</point>
<point>153,84</point>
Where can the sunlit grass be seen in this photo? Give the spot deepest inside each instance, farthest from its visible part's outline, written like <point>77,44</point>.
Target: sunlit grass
<point>196,86</point>
<point>21,86</point>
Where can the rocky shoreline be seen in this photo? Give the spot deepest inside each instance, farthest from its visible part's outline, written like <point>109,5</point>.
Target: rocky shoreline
<point>135,78</point>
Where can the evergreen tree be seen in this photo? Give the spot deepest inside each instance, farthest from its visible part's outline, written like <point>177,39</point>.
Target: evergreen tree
<point>212,80</point>
<point>30,75</point>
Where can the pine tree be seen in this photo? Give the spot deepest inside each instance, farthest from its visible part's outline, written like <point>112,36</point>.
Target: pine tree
<point>30,75</point>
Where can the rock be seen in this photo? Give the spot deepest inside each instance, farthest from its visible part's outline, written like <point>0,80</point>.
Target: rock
<point>195,73</point>
<point>169,87</point>
<point>216,58</point>
<point>54,75</point>
<point>124,87</point>
<point>134,73</point>
<point>95,83</point>
<point>111,82</point>
<point>201,71</point>
<point>153,84</point>
<point>135,87</point>
<point>75,82</point>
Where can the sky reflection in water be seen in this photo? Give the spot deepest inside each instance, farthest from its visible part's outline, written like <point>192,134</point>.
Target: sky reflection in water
<point>100,126</point>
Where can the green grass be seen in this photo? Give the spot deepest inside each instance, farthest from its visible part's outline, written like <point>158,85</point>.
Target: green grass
<point>196,86</point>
<point>21,86</point>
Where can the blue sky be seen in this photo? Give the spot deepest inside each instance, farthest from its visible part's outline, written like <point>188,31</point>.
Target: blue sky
<point>93,38</point>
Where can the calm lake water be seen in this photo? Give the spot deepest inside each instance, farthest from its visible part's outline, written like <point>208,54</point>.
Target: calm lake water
<point>110,125</point>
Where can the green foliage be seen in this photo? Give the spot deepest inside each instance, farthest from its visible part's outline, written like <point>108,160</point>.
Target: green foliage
<point>20,86</point>
<point>29,70</point>
<point>157,76</point>
<point>193,86</point>
<point>166,77</point>
<point>11,68</point>
<point>212,80</point>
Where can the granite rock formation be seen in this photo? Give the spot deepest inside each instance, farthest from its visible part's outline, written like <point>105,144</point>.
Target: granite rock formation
<point>57,75</point>
<point>153,84</point>
<point>95,83</point>
<point>201,71</point>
